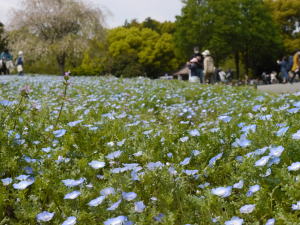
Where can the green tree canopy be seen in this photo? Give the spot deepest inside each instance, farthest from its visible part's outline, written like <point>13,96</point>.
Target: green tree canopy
<point>242,29</point>
<point>143,50</point>
<point>287,16</point>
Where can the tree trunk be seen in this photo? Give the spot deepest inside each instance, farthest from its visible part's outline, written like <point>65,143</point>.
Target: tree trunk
<point>237,64</point>
<point>61,61</point>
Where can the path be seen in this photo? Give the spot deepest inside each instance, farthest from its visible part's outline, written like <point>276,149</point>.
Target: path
<point>280,88</point>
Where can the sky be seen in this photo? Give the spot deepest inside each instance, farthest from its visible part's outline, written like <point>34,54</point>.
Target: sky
<point>117,11</point>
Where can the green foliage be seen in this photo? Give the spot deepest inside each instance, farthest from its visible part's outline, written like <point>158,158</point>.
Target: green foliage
<point>240,28</point>
<point>287,16</point>
<point>137,51</point>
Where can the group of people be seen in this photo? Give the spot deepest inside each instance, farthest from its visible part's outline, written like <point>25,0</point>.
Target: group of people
<point>289,67</point>
<point>202,67</point>
<point>7,65</point>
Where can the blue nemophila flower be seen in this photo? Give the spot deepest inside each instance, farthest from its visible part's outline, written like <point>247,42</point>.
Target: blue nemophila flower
<point>121,143</point>
<point>159,217</point>
<point>139,206</point>
<point>247,208</point>
<point>252,190</point>
<point>266,117</point>
<point>222,191</point>
<point>22,177</point>
<point>184,139</point>
<point>270,222</point>
<point>262,162</point>
<point>7,181</point>
<point>72,195</point>
<point>294,167</point>
<point>268,173</point>
<point>239,185</point>
<point>74,123</point>
<point>241,142</point>
<point>44,216</point>
<point>70,221</point>
<point>213,160</point>
<point>154,165</point>
<point>47,150</point>
<point>114,155</point>
<point>248,129</point>
<point>140,153</point>
<point>111,144</point>
<point>194,133</point>
<point>170,155</point>
<point>107,191</point>
<point>276,151</point>
<point>202,186</point>
<point>296,206</point>
<point>282,131</point>
<point>225,118</point>
<point>129,196</point>
<point>235,221</point>
<point>190,172</point>
<point>97,164</point>
<point>59,133</point>
<point>195,152</point>
<point>186,161</point>
<point>23,184</point>
<point>114,206</point>
<point>120,220</point>
<point>293,110</point>
<point>261,151</point>
<point>6,103</point>
<point>274,161</point>
<point>296,136</point>
<point>97,201</point>
<point>256,108</point>
<point>73,183</point>
<point>172,171</point>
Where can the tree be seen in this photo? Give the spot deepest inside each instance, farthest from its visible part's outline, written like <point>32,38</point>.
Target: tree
<point>56,28</point>
<point>243,29</point>
<point>287,16</point>
<point>3,38</point>
<point>137,51</point>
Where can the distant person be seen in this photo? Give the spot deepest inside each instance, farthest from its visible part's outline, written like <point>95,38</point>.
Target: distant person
<point>7,63</point>
<point>20,64</point>
<point>199,69</point>
<point>284,69</point>
<point>296,66</point>
<point>209,67</point>
<point>195,67</point>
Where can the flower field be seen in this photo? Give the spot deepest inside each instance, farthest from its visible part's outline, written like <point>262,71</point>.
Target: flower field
<point>136,151</point>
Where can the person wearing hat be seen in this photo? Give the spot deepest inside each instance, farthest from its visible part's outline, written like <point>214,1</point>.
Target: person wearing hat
<point>20,63</point>
<point>209,68</point>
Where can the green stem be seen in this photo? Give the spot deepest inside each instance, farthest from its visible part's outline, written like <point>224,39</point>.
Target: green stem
<point>62,105</point>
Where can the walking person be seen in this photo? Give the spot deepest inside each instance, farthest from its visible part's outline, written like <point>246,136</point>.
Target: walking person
<point>209,68</point>
<point>296,66</point>
<point>284,68</point>
<point>20,64</point>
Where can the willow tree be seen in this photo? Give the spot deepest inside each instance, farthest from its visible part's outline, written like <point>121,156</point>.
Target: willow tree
<point>56,28</point>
